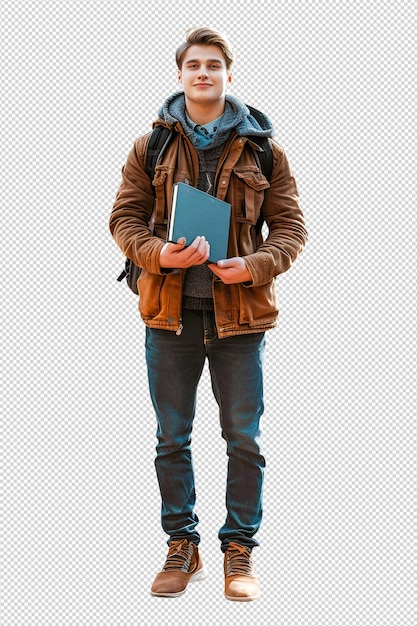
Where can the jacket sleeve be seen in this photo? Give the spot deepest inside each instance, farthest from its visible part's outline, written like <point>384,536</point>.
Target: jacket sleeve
<point>283,215</point>
<point>132,211</point>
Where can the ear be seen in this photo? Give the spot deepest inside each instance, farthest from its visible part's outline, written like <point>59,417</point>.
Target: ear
<point>230,77</point>
<point>179,75</point>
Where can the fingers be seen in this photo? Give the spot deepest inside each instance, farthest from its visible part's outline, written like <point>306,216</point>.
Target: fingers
<point>177,255</point>
<point>199,250</point>
<point>237,262</point>
<point>231,270</point>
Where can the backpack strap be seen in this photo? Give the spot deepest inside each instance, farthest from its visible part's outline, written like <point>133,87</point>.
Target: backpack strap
<point>158,142</point>
<point>264,155</point>
<point>265,152</point>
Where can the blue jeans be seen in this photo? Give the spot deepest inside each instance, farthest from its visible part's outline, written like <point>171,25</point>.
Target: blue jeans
<point>175,364</point>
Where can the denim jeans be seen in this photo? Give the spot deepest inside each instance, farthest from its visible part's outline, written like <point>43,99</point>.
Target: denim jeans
<point>175,364</point>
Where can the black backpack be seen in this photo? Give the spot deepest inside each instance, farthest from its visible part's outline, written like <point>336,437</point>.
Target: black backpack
<point>158,142</point>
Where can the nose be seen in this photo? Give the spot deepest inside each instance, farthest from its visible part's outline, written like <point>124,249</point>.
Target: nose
<point>203,73</point>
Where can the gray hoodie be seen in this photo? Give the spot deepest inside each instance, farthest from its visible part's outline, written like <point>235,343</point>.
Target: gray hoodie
<point>236,116</point>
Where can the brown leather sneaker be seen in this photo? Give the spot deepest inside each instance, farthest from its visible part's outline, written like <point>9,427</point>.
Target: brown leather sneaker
<point>240,581</point>
<point>182,566</point>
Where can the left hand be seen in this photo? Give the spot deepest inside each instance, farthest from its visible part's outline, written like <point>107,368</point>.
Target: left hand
<point>231,271</point>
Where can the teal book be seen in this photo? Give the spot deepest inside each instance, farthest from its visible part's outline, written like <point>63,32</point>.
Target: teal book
<point>196,213</point>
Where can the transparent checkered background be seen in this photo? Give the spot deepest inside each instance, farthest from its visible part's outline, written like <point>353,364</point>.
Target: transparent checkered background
<point>80,538</point>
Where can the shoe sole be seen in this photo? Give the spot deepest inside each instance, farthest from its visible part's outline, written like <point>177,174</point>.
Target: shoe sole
<point>200,575</point>
<point>242,598</point>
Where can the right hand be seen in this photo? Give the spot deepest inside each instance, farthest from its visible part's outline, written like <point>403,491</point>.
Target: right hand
<point>176,255</point>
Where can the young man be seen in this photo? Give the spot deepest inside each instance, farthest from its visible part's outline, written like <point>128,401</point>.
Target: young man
<point>194,310</point>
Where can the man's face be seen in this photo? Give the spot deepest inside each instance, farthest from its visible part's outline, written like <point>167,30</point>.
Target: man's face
<point>203,75</point>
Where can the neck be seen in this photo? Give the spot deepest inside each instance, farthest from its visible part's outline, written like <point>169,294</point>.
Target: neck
<point>204,113</point>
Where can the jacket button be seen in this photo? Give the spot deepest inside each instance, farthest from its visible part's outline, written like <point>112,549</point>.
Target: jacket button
<point>170,320</point>
<point>224,182</point>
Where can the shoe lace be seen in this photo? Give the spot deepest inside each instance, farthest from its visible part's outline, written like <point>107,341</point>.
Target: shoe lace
<point>179,556</point>
<point>238,560</point>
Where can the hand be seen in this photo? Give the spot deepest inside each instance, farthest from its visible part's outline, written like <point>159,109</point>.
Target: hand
<point>176,255</point>
<point>231,271</point>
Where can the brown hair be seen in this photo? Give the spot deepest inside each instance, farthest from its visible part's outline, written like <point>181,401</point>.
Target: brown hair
<point>205,37</point>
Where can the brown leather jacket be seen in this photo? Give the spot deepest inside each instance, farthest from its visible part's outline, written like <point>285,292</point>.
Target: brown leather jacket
<point>239,308</point>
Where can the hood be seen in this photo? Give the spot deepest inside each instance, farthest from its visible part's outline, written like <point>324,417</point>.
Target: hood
<point>236,116</point>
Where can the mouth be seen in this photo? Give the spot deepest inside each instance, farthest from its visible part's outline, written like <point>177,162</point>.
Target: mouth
<point>203,85</point>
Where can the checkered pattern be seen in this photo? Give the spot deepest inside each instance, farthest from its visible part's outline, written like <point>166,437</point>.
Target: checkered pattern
<point>80,540</point>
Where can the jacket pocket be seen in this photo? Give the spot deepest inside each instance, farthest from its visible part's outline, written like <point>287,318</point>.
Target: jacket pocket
<point>248,193</point>
<point>150,286</point>
<point>258,305</point>
<point>160,297</point>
